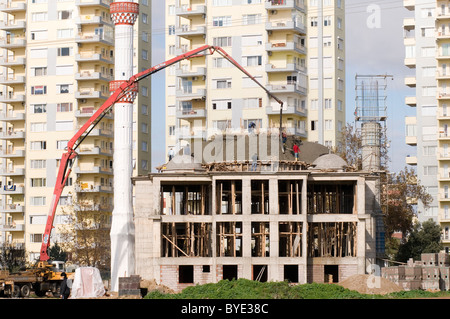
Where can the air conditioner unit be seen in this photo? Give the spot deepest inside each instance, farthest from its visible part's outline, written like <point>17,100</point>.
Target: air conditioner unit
<point>194,78</point>
<point>83,101</point>
<point>269,53</point>
<point>273,12</point>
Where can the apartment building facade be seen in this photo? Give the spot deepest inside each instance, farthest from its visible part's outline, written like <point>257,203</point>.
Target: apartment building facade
<point>295,48</point>
<point>57,59</point>
<point>427,42</point>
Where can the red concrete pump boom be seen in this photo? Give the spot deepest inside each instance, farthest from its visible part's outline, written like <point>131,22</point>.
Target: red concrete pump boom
<point>70,155</point>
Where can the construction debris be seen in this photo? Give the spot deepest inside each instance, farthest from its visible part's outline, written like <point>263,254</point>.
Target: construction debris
<point>371,285</point>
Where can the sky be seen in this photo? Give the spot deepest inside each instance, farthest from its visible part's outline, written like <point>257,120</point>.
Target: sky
<point>374,46</point>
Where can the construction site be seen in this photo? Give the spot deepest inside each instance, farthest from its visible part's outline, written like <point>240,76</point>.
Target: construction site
<point>308,220</point>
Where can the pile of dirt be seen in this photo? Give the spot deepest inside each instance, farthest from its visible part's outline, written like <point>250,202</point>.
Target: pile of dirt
<point>151,285</point>
<point>371,285</point>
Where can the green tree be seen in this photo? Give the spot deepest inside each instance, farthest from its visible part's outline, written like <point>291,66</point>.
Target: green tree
<point>424,238</point>
<point>57,253</point>
<point>12,257</point>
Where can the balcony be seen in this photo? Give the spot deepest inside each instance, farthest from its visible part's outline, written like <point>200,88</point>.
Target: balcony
<point>11,98</point>
<point>89,188</point>
<point>12,25</point>
<point>410,63</point>
<point>12,61</point>
<point>90,3</point>
<point>14,42</point>
<point>409,4</point>
<point>411,101</point>
<point>411,160</point>
<point>93,170</point>
<point>285,47</point>
<point>100,132</point>
<point>285,5</point>
<point>411,140</point>
<point>13,208</point>
<point>95,150</point>
<point>287,88</point>
<point>11,79</point>
<point>12,116</point>
<point>12,189</point>
<point>287,110</point>
<point>13,7</point>
<point>94,38</point>
<point>92,19</point>
<point>12,227</point>
<point>12,154</point>
<point>290,67</point>
<point>91,94</point>
<point>89,111</point>
<point>410,81</point>
<point>12,135</point>
<point>191,32</point>
<point>93,57</point>
<point>200,71</point>
<point>14,172</point>
<point>187,95</point>
<point>199,10</point>
<point>191,113</point>
<point>286,26</point>
<point>196,133</point>
<point>409,24</point>
<point>296,131</point>
<point>98,76</point>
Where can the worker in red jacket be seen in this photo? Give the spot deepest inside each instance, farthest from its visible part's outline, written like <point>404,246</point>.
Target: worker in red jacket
<point>296,151</point>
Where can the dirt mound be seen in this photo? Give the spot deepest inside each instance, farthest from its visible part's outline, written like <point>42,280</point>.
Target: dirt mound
<point>151,285</point>
<point>371,285</point>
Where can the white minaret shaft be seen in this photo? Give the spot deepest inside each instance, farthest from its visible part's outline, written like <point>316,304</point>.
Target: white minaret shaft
<point>124,14</point>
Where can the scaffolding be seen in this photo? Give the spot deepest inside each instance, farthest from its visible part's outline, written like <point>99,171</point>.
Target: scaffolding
<point>371,117</point>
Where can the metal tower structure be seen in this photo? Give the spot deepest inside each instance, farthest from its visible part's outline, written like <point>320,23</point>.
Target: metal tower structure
<point>370,118</point>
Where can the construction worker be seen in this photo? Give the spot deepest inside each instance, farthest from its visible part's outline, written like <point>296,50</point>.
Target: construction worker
<point>296,150</point>
<point>171,153</point>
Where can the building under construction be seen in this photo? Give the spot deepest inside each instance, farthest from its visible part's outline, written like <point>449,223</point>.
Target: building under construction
<point>269,218</point>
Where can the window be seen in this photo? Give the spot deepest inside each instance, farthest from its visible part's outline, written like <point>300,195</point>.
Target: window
<point>430,170</point>
<point>38,127</point>
<point>224,21</point>
<point>38,182</point>
<point>144,54</point>
<point>223,84</point>
<point>144,127</point>
<point>67,51</point>
<point>172,130</point>
<point>64,126</point>
<point>39,71</point>
<point>64,33</point>
<point>38,164</point>
<point>64,15</point>
<point>38,108</point>
<point>60,145</point>
<point>221,63</point>
<point>37,200</point>
<point>39,16</point>
<point>171,29</point>
<point>144,146</point>
<point>249,19</point>
<point>221,3</point>
<point>36,238</point>
<point>39,35</point>
<point>222,41</point>
<point>64,69</point>
<point>252,40</point>
<point>38,53</point>
<point>64,107</point>
<point>328,125</point>
<point>252,60</point>
<point>222,105</point>
<point>144,164</point>
<point>144,18</point>
<point>39,90</point>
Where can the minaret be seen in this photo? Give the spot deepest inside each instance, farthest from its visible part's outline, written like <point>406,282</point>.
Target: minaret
<point>124,15</point>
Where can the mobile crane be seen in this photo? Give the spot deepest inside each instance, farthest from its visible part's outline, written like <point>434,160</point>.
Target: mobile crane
<point>42,277</point>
